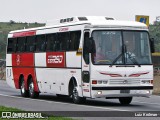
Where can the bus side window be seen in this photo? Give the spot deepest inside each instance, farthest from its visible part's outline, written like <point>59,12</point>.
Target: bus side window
<point>21,44</point>
<point>51,42</point>
<point>62,41</point>
<point>30,44</point>
<point>85,51</point>
<point>74,40</point>
<point>11,45</point>
<point>40,43</point>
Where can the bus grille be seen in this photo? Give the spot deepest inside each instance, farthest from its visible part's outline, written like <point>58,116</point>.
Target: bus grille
<point>124,82</point>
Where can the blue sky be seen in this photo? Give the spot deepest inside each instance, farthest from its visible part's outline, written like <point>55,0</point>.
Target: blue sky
<point>43,10</point>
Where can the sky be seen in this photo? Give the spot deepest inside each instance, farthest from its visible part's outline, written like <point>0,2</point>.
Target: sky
<point>46,10</point>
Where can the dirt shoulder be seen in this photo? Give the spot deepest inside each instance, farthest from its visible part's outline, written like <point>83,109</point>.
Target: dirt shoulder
<point>156,84</point>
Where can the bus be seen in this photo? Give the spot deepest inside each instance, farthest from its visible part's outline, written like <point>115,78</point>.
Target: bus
<point>64,57</point>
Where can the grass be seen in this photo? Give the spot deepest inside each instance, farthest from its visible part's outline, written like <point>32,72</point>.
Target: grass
<point>3,108</point>
<point>10,109</point>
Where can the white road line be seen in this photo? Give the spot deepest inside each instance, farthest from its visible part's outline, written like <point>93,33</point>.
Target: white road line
<point>147,103</point>
<point>64,103</point>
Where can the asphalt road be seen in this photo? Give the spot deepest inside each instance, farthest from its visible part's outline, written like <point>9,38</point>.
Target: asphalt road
<point>91,110</point>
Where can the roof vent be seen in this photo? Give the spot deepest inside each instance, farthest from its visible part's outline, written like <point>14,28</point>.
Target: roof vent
<point>66,20</point>
<point>82,18</point>
<point>107,18</point>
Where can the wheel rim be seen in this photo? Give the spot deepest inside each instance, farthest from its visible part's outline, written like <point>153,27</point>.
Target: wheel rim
<point>31,88</point>
<point>75,94</point>
<point>22,87</point>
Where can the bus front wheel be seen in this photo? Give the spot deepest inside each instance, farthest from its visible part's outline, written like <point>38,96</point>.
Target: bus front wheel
<point>125,100</point>
<point>76,98</point>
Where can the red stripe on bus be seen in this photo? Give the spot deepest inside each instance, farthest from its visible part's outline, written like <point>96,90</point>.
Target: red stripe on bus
<point>21,59</point>
<point>111,74</point>
<point>26,72</point>
<point>138,74</point>
<point>23,64</point>
<point>26,33</point>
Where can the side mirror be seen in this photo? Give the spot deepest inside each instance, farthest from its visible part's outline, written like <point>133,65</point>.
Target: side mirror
<point>151,40</point>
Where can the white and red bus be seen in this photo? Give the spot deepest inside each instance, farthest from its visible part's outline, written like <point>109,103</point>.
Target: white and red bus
<point>82,57</point>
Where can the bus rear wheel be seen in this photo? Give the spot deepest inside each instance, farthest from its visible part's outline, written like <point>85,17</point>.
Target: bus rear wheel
<point>32,93</point>
<point>76,98</point>
<point>125,100</point>
<point>24,92</point>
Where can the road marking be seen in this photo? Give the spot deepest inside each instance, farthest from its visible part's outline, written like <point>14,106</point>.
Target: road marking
<point>147,103</point>
<point>112,109</point>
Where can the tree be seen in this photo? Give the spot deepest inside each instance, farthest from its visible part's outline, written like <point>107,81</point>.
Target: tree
<point>154,31</point>
<point>12,22</point>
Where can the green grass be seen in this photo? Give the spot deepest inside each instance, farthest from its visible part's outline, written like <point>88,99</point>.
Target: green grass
<point>9,109</point>
<point>3,108</point>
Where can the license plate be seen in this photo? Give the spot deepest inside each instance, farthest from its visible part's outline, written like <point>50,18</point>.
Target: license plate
<point>124,91</point>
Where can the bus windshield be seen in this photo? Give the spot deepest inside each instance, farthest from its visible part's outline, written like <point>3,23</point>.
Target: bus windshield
<point>121,47</point>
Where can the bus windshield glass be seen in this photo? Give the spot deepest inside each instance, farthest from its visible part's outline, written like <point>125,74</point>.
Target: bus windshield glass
<point>121,48</point>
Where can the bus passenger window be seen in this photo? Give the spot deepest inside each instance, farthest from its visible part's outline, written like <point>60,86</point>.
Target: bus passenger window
<point>30,44</point>
<point>51,42</point>
<point>40,43</point>
<point>74,40</point>
<point>63,38</point>
<point>21,44</point>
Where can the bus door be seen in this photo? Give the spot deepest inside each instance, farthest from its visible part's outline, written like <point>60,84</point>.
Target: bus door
<point>86,87</point>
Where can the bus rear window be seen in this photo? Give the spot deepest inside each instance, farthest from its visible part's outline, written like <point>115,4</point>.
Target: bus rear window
<point>11,45</point>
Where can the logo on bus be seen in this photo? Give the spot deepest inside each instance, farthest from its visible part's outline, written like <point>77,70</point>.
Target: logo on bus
<point>125,82</point>
<point>55,59</point>
<point>18,59</point>
<point>63,29</point>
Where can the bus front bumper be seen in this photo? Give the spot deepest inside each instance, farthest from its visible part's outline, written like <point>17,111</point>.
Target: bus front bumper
<point>116,92</point>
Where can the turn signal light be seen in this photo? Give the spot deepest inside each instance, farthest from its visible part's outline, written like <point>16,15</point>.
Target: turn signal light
<point>151,81</point>
<point>94,81</point>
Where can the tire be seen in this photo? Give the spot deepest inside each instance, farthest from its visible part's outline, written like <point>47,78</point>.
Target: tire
<point>32,93</point>
<point>76,98</point>
<point>24,92</point>
<point>125,100</point>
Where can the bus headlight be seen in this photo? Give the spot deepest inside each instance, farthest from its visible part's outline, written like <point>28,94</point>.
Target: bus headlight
<point>148,92</point>
<point>99,92</point>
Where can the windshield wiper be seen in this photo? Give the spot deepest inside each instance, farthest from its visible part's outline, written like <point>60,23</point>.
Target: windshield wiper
<point>122,53</point>
<point>115,60</point>
<point>133,59</point>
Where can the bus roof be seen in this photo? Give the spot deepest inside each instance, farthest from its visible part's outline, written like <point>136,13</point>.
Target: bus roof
<point>90,20</point>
